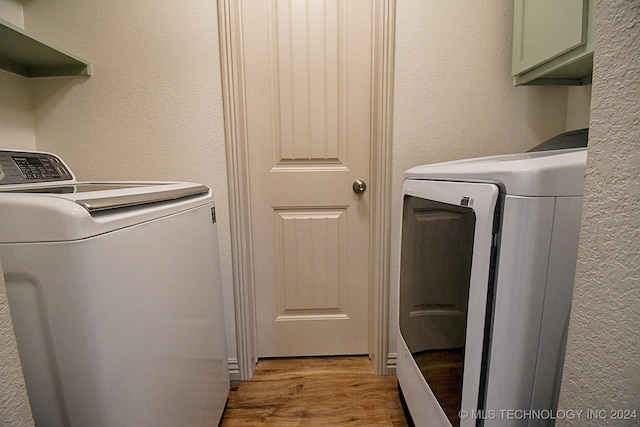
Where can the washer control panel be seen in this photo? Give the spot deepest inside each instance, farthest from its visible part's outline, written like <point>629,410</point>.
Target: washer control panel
<point>22,167</point>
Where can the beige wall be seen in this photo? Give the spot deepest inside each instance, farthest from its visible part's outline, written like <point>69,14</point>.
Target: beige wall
<point>17,129</point>
<point>11,11</point>
<point>602,366</point>
<point>454,96</point>
<point>578,107</point>
<point>16,114</point>
<point>151,111</point>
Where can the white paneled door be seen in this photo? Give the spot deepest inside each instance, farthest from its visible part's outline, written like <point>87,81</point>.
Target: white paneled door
<point>306,76</point>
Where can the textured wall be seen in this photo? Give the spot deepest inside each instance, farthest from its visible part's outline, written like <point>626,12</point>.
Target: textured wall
<point>602,366</point>
<point>152,109</point>
<point>454,96</point>
<point>14,404</point>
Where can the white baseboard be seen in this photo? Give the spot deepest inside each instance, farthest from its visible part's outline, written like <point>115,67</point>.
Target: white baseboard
<point>392,363</point>
<point>234,369</point>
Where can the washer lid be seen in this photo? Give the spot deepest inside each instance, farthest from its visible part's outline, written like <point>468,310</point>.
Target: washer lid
<point>75,187</point>
<point>544,173</point>
<point>38,213</point>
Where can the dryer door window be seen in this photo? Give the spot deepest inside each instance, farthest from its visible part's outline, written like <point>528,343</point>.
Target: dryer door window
<point>437,249</point>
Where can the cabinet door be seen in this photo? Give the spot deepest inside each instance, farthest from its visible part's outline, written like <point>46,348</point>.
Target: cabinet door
<point>546,29</point>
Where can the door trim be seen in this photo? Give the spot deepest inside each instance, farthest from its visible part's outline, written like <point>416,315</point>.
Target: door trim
<point>380,225</point>
<point>239,191</point>
<point>239,206</point>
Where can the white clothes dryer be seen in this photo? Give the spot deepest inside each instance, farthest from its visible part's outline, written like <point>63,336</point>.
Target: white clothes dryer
<point>115,295</point>
<point>488,256</point>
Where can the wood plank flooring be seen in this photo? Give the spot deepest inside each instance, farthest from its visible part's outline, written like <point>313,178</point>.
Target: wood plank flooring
<point>318,391</point>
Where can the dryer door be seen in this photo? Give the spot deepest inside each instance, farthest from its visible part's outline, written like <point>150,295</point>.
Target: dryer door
<point>445,272</point>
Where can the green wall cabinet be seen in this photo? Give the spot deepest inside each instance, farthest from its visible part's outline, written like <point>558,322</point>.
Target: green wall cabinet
<point>553,42</point>
<point>25,55</point>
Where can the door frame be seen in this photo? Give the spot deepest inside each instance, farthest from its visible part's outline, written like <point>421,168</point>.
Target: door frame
<point>239,191</point>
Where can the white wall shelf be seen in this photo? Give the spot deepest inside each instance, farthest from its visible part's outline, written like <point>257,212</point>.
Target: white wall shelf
<point>25,55</point>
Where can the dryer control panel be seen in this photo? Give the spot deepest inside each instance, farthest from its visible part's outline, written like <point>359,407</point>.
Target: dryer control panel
<point>21,167</point>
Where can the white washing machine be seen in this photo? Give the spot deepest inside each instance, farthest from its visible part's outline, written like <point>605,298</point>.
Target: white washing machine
<point>114,291</point>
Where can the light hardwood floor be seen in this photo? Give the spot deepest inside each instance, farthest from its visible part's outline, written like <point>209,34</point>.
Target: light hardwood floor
<point>319,391</point>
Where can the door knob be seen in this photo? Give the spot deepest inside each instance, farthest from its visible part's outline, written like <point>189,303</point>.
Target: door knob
<point>359,186</point>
